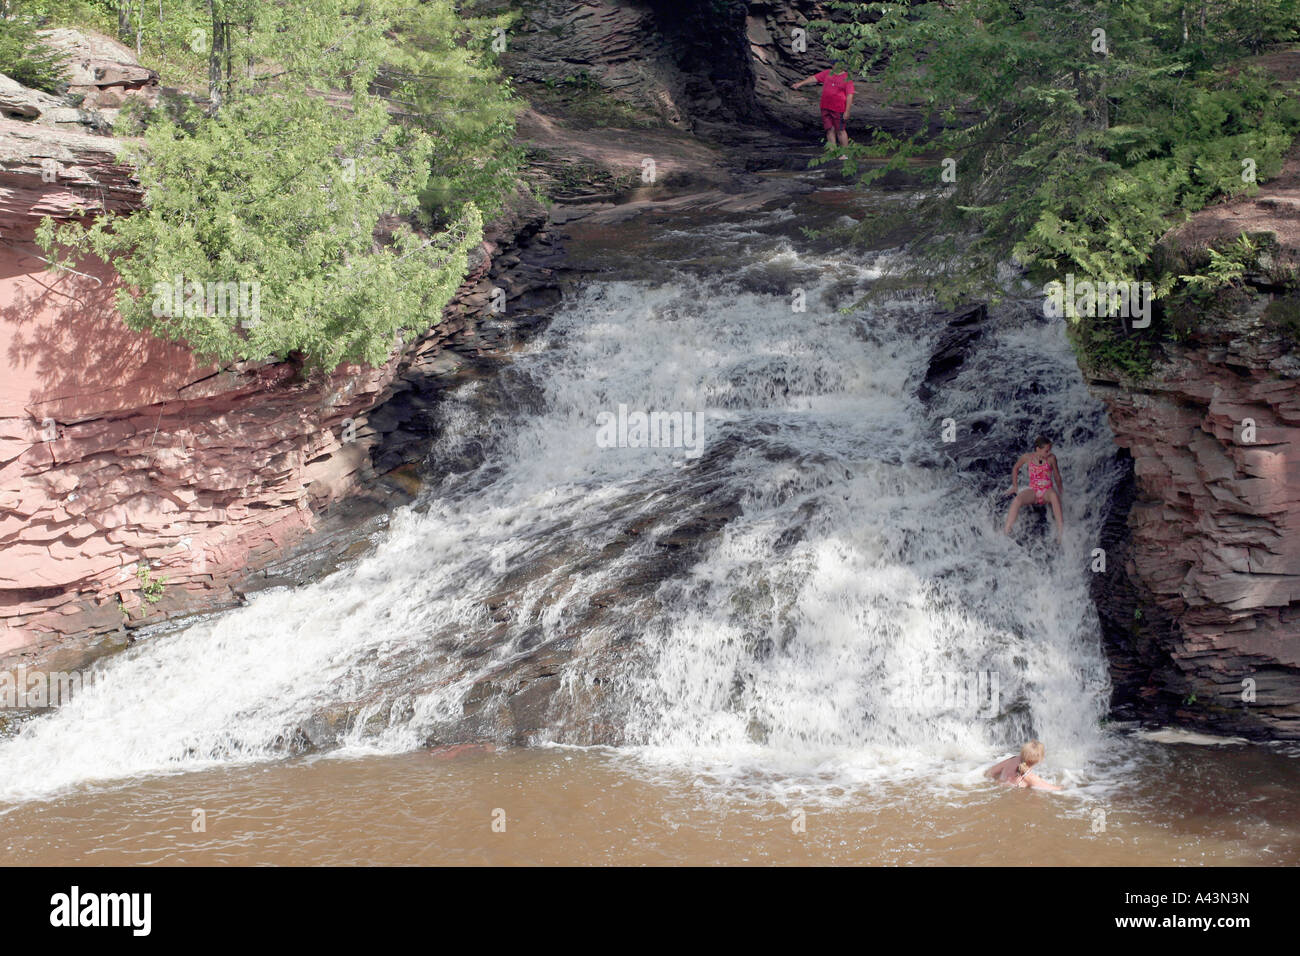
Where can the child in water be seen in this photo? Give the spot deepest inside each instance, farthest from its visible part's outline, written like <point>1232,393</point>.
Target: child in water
<point>1014,771</point>
<point>1045,485</point>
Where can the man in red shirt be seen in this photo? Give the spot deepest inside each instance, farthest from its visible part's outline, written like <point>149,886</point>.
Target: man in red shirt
<point>837,100</point>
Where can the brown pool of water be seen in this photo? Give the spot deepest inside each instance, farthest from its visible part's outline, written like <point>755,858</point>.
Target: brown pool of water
<point>1186,806</point>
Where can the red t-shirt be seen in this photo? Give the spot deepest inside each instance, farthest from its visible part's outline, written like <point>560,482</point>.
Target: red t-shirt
<point>835,90</point>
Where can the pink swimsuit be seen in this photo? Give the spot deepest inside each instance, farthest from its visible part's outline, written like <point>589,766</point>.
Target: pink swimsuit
<point>1040,479</point>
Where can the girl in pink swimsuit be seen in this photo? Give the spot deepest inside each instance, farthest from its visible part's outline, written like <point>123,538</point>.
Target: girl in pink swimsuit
<point>1045,485</point>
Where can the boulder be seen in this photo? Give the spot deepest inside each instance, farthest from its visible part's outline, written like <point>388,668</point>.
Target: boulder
<point>102,71</point>
<point>20,102</point>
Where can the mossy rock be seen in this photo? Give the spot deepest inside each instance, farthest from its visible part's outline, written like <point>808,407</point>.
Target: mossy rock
<point>1284,314</point>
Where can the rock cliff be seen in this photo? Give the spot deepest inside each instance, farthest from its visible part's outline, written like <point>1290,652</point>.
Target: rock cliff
<point>1201,600</point>
<point>135,482</point>
<point>720,70</point>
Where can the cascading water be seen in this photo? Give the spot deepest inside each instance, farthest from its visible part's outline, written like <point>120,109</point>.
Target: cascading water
<point>854,611</point>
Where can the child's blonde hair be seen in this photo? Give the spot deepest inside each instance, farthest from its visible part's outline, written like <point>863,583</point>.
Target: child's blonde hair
<point>1030,754</point>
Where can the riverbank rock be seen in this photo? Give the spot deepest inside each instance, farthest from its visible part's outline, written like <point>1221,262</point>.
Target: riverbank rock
<point>1203,593</point>
<point>138,484</point>
<point>1201,602</point>
<point>102,74</point>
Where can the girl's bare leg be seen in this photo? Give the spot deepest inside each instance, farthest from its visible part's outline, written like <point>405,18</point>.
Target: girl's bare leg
<point>1016,503</point>
<point>1055,499</point>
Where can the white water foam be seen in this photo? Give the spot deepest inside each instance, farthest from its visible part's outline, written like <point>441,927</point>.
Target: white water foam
<point>862,565</point>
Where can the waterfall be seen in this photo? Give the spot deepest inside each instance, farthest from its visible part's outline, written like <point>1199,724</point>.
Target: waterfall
<point>855,611</point>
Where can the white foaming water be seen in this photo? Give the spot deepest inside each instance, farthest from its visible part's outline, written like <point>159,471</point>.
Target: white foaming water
<point>903,612</point>
<point>807,638</point>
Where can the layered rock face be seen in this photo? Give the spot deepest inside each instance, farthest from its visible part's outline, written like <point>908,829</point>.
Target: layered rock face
<point>719,69</point>
<point>135,482</point>
<point>1214,529</point>
<point>678,62</point>
<point>61,173</point>
<point>1201,600</point>
<point>123,462</point>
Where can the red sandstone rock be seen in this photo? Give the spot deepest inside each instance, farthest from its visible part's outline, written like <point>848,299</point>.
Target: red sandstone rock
<point>119,450</point>
<point>1215,529</point>
<point>60,174</point>
<point>102,70</point>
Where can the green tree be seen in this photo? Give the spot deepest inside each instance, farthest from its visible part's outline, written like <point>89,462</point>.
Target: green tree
<point>438,81</point>
<point>301,180</point>
<point>1078,132</point>
<point>24,58</point>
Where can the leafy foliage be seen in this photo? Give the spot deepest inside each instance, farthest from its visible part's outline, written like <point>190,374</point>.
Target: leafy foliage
<point>151,588</point>
<point>450,90</point>
<point>23,57</point>
<point>1081,131</point>
<point>1226,266</point>
<point>303,178</point>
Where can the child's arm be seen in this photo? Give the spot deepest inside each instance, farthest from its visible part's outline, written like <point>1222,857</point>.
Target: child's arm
<point>1015,475</point>
<point>848,105</point>
<point>1056,476</point>
<point>1038,783</point>
<point>811,79</point>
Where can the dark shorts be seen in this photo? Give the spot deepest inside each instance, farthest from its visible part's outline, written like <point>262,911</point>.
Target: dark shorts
<point>832,120</point>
